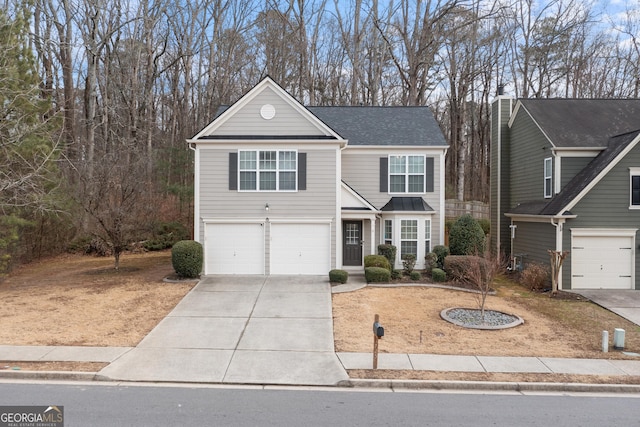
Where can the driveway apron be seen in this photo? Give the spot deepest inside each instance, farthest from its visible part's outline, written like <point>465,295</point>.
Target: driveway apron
<point>241,330</point>
<point>624,302</point>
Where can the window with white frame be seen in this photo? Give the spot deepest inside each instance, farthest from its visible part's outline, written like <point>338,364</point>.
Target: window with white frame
<point>388,232</point>
<point>271,170</point>
<point>409,237</point>
<point>548,171</point>
<point>406,174</point>
<point>427,236</point>
<point>634,188</point>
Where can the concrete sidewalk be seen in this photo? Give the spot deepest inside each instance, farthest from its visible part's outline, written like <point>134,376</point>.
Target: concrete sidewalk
<point>241,330</point>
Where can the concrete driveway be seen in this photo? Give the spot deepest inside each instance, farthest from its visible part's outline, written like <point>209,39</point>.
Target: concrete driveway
<point>625,303</point>
<point>243,330</point>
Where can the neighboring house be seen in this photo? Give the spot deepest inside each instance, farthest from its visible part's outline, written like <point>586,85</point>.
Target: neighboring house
<point>281,188</point>
<point>565,175</point>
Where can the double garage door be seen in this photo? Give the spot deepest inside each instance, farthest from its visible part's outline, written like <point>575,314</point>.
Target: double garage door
<point>268,248</point>
<point>602,261</point>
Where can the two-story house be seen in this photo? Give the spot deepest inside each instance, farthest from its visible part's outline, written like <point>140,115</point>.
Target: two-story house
<point>565,176</point>
<point>281,188</point>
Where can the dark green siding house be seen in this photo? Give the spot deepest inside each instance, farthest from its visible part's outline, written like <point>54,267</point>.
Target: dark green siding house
<point>565,176</point>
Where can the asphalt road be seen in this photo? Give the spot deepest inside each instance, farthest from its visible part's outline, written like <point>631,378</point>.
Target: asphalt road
<point>111,405</point>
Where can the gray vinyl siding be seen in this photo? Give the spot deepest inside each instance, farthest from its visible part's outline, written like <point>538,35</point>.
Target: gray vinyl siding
<point>361,171</point>
<point>606,206</point>
<point>570,167</point>
<point>500,132</point>
<point>317,201</point>
<point>529,148</point>
<point>287,120</point>
<point>533,239</point>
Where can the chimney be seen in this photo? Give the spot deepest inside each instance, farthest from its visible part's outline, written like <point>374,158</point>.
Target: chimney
<point>500,89</point>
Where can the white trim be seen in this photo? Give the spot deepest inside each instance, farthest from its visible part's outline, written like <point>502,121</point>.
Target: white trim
<point>384,150</point>
<point>577,151</point>
<point>339,214</point>
<point>196,197</point>
<point>549,161</point>
<point>603,232</point>
<point>601,175</point>
<point>301,220</point>
<point>233,221</point>
<point>537,218</point>
<point>442,212</point>
<point>365,204</point>
<point>557,174</point>
<point>258,144</point>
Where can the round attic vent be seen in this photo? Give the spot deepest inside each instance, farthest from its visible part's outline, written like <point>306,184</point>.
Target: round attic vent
<point>267,111</point>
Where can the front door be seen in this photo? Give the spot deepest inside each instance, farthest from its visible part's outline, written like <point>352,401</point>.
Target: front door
<point>352,243</point>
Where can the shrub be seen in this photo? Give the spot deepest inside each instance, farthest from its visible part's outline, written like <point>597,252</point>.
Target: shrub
<point>415,275</point>
<point>396,274</point>
<point>430,261</point>
<point>376,261</point>
<point>485,224</point>
<point>165,234</point>
<point>338,276</point>
<point>438,275</point>
<point>466,237</point>
<point>389,252</point>
<point>377,275</point>
<point>535,276</point>
<point>441,252</point>
<point>408,262</point>
<point>457,266</point>
<point>186,258</point>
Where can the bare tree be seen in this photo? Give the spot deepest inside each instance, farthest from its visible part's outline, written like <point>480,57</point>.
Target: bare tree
<point>481,271</point>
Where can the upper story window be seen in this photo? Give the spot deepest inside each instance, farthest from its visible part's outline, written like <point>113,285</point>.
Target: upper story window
<point>272,170</point>
<point>634,186</point>
<point>406,174</point>
<point>548,171</point>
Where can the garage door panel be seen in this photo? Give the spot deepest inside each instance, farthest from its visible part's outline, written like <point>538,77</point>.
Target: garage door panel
<point>602,262</point>
<point>232,248</point>
<point>300,248</point>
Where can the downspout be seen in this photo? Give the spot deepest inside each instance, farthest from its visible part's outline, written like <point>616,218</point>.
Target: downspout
<point>559,229</point>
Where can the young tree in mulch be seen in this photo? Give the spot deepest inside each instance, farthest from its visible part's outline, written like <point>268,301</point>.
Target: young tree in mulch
<point>481,271</point>
<point>557,258</point>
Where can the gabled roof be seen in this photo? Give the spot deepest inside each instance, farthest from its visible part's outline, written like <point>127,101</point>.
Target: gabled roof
<point>406,204</point>
<point>404,126</point>
<point>582,123</point>
<point>583,180</point>
<point>352,200</point>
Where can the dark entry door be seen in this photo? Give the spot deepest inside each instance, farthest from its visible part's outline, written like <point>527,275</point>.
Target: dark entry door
<point>352,243</point>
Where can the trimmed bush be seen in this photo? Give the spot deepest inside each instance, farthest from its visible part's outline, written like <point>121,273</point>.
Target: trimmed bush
<point>338,276</point>
<point>536,276</point>
<point>377,275</point>
<point>408,262</point>
<point>438,275</point>
<point>415,275</point>
<point>389,252</point>
<point>486,225</point>
<point>396,274</point>
<point>186,258</point>
<point>441,252</point>
<point>430,261</point>
<point>457,266</point>
<point>376,261</point>
<point>466,237</point>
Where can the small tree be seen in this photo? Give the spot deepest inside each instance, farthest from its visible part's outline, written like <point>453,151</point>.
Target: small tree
<point>557,258</point>
<point>481,272</point>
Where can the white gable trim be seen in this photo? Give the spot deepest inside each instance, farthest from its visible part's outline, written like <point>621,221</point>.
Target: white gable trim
<point>351,194</point>
<point>267,82</point>
<point>602,174</point>
<point>515,113</point>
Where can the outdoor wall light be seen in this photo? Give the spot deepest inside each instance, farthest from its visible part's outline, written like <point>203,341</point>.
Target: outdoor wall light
<point>266,207</point>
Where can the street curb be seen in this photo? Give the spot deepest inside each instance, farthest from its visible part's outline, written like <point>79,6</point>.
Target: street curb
<point>49,375</point>
<point>434,385</point>
<point>490,386</point>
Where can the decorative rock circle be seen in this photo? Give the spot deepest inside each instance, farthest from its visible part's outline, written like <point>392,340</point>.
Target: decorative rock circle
<point>472,318</point>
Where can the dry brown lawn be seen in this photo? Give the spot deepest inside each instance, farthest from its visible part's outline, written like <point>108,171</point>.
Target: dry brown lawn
<point>82,301</point>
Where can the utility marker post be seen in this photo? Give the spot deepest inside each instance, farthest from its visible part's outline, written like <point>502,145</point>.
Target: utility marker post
<point>378,332</point>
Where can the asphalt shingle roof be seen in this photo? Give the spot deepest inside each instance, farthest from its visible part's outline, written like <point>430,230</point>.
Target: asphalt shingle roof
<point>584,122</point>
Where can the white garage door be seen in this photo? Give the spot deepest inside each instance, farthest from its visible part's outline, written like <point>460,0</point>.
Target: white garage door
<point>234,248</point>
<point>602,262</point>
<point>300,248</point>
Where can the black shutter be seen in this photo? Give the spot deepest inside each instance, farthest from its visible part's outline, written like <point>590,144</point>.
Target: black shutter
<point>302,171</point>
<point>384,174</point>
<point>233,171</point>
<point>428,171</point>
